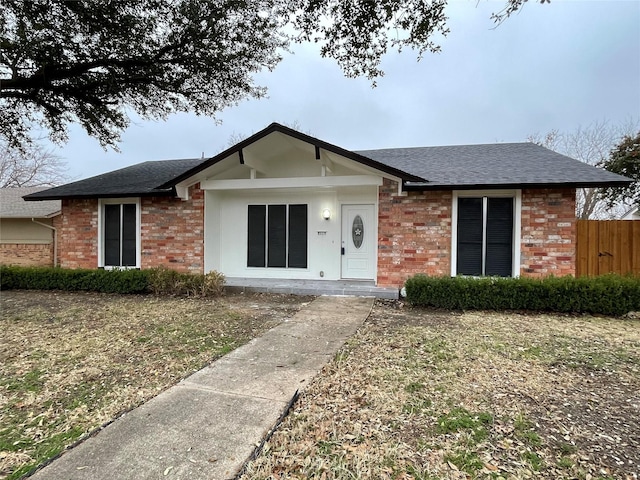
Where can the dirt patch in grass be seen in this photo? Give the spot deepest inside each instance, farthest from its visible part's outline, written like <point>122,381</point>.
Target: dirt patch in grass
<point>70,362</point>
<point>435,395</point>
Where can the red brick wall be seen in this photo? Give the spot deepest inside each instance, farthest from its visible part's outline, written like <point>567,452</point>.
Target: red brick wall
<point>414,233</point>
<point>77,230</point>
<point>27,255</point>
<point>548,242</point>
<point>172,232</point>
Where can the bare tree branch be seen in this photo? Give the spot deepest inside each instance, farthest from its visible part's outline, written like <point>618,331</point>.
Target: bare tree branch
<point>590,145</point>
<point>37,167</point>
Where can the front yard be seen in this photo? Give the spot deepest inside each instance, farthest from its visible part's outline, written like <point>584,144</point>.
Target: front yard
<point>71,362</point>
<point>422,395</point>
<point>415,394</point>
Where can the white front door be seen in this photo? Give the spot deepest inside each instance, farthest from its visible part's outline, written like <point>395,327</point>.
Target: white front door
<point>359,243</point>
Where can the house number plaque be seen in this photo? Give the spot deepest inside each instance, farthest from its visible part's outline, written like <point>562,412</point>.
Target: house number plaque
<point>357,231</point>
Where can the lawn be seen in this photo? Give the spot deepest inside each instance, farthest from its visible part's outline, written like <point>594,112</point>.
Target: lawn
<point>415,394</point>
<point>419,394</point>
<point>72,362</point>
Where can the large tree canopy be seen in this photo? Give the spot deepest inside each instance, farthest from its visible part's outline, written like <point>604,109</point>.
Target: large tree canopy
<point>93,61</point>
<point>90,61</point>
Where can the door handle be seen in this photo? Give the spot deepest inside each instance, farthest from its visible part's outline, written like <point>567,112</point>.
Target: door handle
<point>342,251</point>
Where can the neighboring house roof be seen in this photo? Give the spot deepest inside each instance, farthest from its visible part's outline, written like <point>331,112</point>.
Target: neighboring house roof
<point>12,204</point>
<point>497,165</point>
<point>138,180</point>
<point>631,214</point>
<point>500,165</point>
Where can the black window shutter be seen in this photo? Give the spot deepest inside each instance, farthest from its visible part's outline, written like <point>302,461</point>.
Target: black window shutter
<point>297,236</point>
<point>256,233</point>
<point>499,255</point>
<point>469,244</point>
<point>277,236</point>
<point>129,235</point>
<point>112,235</point>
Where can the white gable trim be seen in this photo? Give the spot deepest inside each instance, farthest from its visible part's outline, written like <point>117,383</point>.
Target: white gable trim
<point>255,157</point>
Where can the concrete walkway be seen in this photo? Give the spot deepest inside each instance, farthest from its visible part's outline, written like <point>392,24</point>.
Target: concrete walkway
<point>208,425</point>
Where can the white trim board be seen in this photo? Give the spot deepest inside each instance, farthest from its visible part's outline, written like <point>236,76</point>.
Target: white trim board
<point>292,182</point>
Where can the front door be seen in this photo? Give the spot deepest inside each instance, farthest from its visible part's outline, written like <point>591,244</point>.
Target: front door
<point>358,242</point>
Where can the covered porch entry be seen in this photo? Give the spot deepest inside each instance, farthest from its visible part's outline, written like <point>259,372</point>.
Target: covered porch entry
<point>281,209</point>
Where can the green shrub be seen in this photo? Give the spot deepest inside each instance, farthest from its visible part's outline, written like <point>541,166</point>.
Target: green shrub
<point>160,281</point>
<point>607,295</point>
<point>46,278</point>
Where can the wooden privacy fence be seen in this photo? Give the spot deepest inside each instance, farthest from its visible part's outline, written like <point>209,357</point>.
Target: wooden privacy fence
<point>608,246</point>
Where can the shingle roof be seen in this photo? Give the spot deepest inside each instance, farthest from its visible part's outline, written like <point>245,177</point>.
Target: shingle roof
<point>13,206</point>
<point>498,165</point>
<point>492,165</point>
<point>138,180</point>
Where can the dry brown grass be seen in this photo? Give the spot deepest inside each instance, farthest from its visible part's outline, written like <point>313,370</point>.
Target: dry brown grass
<point>70,362</point>
<point>432,395</point>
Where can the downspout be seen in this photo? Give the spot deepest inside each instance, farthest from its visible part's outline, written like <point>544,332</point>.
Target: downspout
<point>55,240</point>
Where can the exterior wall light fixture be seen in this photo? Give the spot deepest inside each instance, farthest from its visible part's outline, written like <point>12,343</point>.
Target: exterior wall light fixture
<point>326,214</point>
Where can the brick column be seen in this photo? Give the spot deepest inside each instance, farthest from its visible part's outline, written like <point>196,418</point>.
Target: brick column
<point>77,230</point>
<point>173,232</point>
<point>548,242</point>
<point>414,234</point>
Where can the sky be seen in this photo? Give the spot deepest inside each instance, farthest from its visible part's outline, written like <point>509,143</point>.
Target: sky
<point>562,65</point>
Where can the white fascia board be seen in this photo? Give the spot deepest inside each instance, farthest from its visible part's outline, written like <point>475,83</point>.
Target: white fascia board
<point>182,191</point>
<point>293,182</point>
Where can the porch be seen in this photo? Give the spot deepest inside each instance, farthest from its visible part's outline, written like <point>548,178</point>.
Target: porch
<point>358,288</point>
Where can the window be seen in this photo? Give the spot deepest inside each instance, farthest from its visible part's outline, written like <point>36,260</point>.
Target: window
<point>119,234</point>
<point>484,240</point>
<point>277,236</point>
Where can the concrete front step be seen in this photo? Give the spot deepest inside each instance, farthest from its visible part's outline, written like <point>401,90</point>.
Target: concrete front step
<point>310,287</point>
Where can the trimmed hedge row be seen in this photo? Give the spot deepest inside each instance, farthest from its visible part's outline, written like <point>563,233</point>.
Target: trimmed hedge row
<point>607,295</point>
<point>161,281</point>
<point>45,278</point>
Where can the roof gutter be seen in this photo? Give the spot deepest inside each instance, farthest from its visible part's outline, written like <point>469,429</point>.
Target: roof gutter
<point>55,240</point>
<point>158,193</point>
<point>421,186</point>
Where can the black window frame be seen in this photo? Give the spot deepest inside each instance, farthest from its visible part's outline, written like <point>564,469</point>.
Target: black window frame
<point>485,235</point>
<point>120,234</point>
<point>273,241</point>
